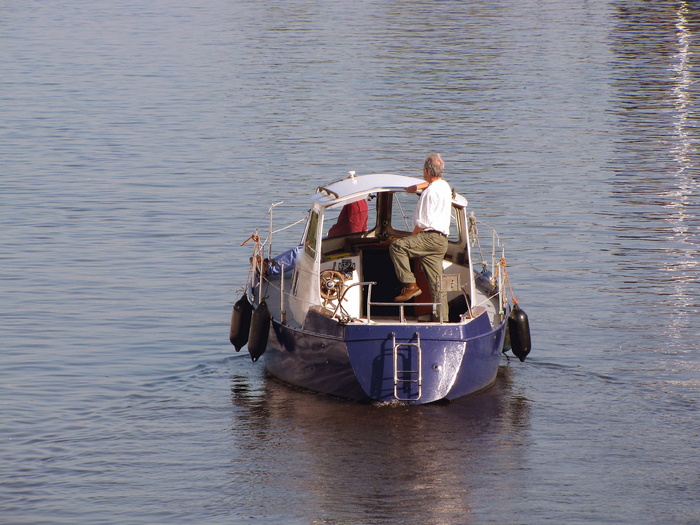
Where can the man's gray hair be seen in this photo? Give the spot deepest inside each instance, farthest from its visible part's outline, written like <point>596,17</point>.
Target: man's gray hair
<point>434,165</point>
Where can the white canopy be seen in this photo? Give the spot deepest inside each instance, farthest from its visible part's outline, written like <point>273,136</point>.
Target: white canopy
<point>353,187</point>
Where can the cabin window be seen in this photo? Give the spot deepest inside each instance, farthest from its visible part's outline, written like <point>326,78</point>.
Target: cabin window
<point>454,226</point>
<point>311,235</point>
<point>403,206</point>
<point>349,218</point>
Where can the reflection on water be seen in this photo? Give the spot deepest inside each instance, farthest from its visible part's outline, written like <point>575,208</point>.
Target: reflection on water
<point>656,214</point>
<point>656,160</point>
<point>685,149</point>
<point>684,102</point>
<point>411,464</point>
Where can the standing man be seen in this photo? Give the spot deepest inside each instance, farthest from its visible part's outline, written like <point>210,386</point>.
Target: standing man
<point>431,226</point>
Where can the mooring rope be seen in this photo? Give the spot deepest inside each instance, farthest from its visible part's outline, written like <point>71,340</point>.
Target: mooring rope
<point>501,267</point>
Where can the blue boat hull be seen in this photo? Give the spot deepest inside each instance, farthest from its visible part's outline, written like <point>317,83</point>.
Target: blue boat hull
<point>358,361</point>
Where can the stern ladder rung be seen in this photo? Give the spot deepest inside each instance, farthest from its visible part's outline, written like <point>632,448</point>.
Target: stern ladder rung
<point>407,376</point>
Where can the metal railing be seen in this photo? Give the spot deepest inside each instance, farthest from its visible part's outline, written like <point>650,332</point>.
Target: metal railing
<point>369,303</point>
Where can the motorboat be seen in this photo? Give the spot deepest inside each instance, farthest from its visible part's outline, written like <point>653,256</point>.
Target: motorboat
<point>322,313</point>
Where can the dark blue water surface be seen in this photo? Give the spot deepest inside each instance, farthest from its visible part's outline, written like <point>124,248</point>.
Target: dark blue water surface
<point>142,142</point>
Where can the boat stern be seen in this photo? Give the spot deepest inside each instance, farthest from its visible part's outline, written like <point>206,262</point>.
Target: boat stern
<point>419,363</point>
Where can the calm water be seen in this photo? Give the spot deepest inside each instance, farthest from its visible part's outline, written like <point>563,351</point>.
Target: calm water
<point>142,142</point>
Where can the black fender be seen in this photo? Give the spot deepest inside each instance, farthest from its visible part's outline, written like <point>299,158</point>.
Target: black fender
<point>240,323</point>
<point>259,331</point>
<point>519,330</point>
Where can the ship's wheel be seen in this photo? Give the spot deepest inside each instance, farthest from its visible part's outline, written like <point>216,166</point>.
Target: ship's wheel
<point>332,284</point>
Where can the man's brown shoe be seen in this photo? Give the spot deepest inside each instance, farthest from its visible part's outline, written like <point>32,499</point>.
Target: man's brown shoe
<point>409,292</point>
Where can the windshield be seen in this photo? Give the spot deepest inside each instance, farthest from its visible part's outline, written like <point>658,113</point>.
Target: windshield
<point>356,217</point>
<point>403,206</point>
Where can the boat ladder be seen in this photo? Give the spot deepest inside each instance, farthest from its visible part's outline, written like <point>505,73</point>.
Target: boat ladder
<point>405,377</point>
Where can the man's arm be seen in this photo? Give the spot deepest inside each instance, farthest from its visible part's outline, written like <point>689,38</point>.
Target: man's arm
<point>417,187</point>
